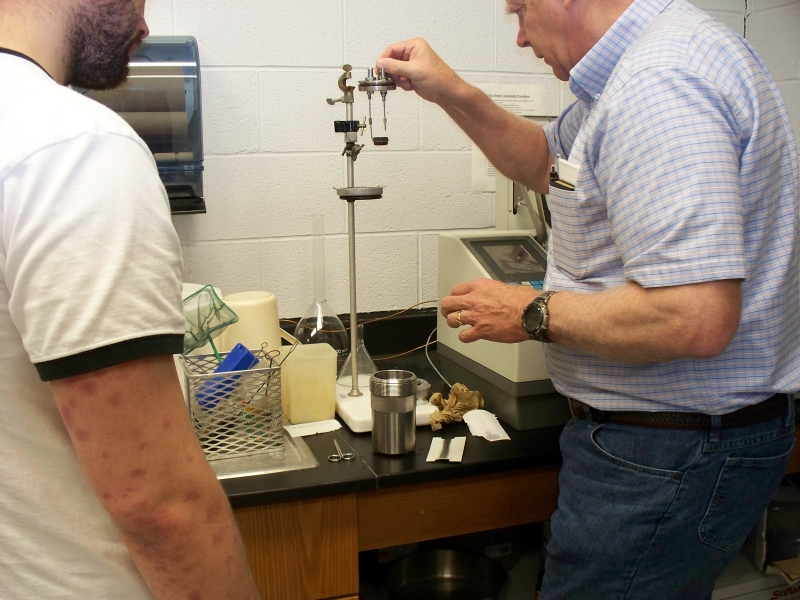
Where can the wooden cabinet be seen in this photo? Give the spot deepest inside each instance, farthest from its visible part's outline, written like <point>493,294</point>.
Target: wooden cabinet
<point>303,550</point>
<point>415,513</point>
<point>308,549</point>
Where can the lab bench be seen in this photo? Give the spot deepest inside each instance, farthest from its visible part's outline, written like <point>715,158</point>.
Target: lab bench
<point>303,529</point>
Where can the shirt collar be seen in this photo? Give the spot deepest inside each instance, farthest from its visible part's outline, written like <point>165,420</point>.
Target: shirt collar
<point>25,56</point>
<point>588,78</point>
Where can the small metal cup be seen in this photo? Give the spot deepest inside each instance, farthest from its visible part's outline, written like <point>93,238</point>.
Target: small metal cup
<point>393,401</point>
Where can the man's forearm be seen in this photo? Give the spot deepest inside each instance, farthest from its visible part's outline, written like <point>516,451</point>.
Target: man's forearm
<point>644,326</point>
<point>515,146</point>
<point>626,324</point>
<point>136,443</point>
<point>190,548</point>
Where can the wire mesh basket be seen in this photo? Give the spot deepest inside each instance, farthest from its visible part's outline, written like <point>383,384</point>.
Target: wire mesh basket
<point>236,413</point>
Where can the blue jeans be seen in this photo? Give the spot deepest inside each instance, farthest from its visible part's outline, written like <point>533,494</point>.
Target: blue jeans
<point>657,514</point>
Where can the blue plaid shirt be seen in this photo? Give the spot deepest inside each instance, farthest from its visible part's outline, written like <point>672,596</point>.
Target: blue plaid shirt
<point>688,173</point>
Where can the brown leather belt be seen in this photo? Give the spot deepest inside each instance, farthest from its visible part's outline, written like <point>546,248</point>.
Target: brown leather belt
<point>771,408</point>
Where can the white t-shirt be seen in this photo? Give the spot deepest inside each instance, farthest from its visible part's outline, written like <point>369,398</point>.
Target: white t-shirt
<point>90,276</point>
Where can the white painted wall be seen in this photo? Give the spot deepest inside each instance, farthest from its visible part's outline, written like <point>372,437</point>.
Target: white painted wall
<point>272,158</point>
<point>730,12</point>
<point>773,27</point>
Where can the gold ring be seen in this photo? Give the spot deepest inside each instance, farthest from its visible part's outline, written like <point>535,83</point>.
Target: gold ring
<point>458,319</point>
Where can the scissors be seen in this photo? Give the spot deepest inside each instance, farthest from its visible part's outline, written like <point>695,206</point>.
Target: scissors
<point>339,456</point>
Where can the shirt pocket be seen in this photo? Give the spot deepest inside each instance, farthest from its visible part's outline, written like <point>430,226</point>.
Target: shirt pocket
<point>566,221</point>
<point>744,488</point>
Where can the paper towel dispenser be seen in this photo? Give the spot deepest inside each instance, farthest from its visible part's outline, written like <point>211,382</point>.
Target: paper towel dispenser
<point>161,101</point>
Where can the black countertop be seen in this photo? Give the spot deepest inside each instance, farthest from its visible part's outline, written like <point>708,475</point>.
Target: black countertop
<point>375,471</point>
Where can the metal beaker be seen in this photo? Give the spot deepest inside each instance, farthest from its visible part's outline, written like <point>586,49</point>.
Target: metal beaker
<point>393,401</point>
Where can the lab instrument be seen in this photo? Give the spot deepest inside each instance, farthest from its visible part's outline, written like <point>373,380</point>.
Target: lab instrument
<point>512,377</point>
<point>246,418</point>
<point>365,365</point>
<point>320,324</point>
<point>340,456</point>
<point>393,401</point>
<point>350,129</point>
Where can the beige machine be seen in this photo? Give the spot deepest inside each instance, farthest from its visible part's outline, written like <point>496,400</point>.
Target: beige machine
<point>512,377</point>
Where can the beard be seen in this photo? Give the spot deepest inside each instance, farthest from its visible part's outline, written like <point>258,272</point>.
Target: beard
<point>100,43</point>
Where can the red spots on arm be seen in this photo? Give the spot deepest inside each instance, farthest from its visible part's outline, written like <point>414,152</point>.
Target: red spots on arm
<point>145,522</point>
<point>114,400</point>
<point>106,496</point>
<point>139,472</point>
<point>194,595</point>
<point>66,415</point>
<point>82,435</point>
<point>86,387</point>
<point>142,446</point>
<point>190,496</point>
<point>219,536</point>
<point>151,525</point>
<point>214,511</point>
<point>166,424</point>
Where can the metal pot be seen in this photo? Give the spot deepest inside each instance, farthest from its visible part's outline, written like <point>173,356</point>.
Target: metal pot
<point>445,575</point>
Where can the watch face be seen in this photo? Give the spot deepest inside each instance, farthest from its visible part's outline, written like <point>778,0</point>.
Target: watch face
<point>534,317</point>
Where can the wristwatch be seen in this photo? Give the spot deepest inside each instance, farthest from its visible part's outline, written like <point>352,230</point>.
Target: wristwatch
<point>536,318</point>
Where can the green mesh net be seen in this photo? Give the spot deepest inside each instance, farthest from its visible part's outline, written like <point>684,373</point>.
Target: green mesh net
<point>206,317</point>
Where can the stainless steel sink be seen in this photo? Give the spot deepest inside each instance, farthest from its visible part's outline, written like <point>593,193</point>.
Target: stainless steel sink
<point>296,455</point>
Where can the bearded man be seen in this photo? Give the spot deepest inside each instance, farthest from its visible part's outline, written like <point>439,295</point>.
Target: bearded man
<point>104,490</point>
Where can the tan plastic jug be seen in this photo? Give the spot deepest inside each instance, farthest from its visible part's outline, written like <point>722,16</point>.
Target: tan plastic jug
<point>308,383</point>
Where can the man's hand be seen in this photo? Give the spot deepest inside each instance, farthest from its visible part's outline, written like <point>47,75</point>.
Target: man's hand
<point>416,67</point>
<point>515,146</point>
<point>491,309</point>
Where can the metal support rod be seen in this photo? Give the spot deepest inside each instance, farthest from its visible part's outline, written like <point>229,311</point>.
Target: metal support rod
<point>351,238</point>
<point>351,242</point>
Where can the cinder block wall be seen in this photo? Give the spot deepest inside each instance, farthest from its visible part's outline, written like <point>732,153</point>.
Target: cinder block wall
<point>272,158</point>
<point>773,27</point>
